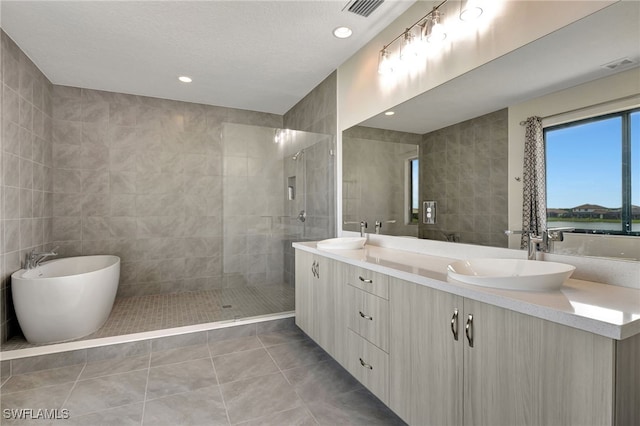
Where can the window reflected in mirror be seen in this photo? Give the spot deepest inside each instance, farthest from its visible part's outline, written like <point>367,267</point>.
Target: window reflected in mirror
<point>593,174</point>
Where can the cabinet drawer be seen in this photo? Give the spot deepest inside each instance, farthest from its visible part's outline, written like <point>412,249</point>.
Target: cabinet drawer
<point>369,364</point>
<point>368,315</point>
<point>369,281</point>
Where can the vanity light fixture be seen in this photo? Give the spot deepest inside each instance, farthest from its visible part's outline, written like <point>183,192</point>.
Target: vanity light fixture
<point>470,10</point>
<point>342,32</point>
<point>409,50</point>
<point>435,32</point>
<point>430,29</point>
<point>385,66</point>
<point>185,79</point>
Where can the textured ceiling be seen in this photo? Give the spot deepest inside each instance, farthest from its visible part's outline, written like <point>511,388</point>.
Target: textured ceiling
<point>256,55</point>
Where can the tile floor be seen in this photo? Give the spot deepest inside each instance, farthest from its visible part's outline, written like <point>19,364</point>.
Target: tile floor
<point>146,313</point>
<point>276,378</point>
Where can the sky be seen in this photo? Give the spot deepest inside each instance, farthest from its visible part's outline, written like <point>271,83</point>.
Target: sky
<point>584,164</point>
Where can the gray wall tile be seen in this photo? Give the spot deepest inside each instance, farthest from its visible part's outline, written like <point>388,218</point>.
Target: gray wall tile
<point>469,160</point>
<point>26,159</point>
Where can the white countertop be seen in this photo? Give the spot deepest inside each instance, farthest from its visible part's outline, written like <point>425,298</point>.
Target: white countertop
<point>607,310</point>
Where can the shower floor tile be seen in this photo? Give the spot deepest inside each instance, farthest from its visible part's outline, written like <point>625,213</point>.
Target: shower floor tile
<point>155,312</point>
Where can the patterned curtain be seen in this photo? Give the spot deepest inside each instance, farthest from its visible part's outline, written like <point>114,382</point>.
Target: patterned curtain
<point>534,204</point>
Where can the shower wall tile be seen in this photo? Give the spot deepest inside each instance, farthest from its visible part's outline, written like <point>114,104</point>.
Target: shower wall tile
<point>141,178</point>
<point>316,113</point>
<point>466,173</point>
<point>26,160</point>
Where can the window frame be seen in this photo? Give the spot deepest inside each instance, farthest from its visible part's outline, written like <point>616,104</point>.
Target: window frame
<point>626,220</point>
<point>408,200</point>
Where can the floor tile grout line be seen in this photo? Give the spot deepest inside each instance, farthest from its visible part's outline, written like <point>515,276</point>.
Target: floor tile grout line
<point>292,387</point>
<point>215,372</point>
<point>75,383</point>
<point>146,388</point>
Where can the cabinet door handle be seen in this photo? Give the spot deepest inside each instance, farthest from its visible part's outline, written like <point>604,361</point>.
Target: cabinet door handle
<point>454,324</point>
<point>317,270</point>
<point>313,268</point>
<point>365,316</point>
<point>365,365</point>
<point>365,280</point>
<point>468,330</point>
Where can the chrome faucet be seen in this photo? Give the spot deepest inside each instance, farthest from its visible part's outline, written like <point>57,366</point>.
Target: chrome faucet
<point>378,226</point>
<point>363,226</point>
<point>542,242</point>
<point>535,243</point>
<point>555,234</point>
<point>34,258</point>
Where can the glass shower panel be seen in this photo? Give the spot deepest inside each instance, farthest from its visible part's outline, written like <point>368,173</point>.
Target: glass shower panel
<point>273,194</point>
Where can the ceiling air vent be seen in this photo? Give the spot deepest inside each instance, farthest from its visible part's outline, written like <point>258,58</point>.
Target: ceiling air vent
<point>363,7</point>
<point>618,63</point>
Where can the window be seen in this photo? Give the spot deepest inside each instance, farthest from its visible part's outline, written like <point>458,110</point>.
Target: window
<point>412,190</point>
<point>593,174</point>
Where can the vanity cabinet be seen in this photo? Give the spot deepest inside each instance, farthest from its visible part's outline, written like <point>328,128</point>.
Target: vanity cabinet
<point>366,308</point>
<point>318,296</point>
<point>524,370</point>
<point>458,361</point>
<point>436,358</point>
<point>426,359</point>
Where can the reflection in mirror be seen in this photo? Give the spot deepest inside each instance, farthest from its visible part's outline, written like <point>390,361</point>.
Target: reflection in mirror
<point>378,183</point>
<point>470,143</point>
<point>463,168</point>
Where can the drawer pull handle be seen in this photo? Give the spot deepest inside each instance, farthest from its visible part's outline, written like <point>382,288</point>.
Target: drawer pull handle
<point>365,280</point>
<point>454,324</point>
<point>365,365</point>
<point>468,330</point>
<point>365,316</point>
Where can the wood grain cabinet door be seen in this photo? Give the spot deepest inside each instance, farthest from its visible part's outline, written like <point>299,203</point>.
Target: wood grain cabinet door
<point>425,359</point>
<point>524,370</point>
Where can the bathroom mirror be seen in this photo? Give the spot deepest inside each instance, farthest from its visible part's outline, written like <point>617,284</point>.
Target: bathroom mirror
<point>462,129</point>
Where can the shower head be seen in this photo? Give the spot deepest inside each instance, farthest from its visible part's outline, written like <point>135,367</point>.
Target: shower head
<point>297,154</point>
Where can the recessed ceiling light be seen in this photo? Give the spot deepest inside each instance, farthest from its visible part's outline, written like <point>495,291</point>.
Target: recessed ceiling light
<point>342,32</point>
<point>185,79</point>
<point>389,113</point>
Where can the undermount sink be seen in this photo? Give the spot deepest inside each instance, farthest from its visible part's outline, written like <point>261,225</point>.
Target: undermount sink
<point>512,274</point>
<point>345,243</point>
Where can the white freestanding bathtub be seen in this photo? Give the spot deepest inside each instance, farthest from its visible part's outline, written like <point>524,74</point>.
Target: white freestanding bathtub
<point>65,299</point>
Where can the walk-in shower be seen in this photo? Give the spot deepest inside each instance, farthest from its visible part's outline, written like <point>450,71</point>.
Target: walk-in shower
<point>233,234</point>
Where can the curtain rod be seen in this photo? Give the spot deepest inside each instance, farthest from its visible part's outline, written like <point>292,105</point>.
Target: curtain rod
<point>522,123</point>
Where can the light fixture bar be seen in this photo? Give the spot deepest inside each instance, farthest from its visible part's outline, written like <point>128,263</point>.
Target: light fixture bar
<point>385,64</point>
<point>417,23</point>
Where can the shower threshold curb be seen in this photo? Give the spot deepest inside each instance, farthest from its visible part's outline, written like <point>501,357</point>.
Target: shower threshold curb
<point>136,337</point>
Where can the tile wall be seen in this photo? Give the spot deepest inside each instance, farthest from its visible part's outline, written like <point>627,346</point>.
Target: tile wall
<point>142,178</point>
<point>317,112</point>
<point>27,184</point>
<point>464,169</point>
<point>373,179</point>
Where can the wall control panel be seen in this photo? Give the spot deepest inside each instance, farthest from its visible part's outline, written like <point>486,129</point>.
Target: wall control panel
<point>429,212</point>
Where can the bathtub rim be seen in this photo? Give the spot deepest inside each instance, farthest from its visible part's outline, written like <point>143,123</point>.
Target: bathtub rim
<point>19,274</point>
